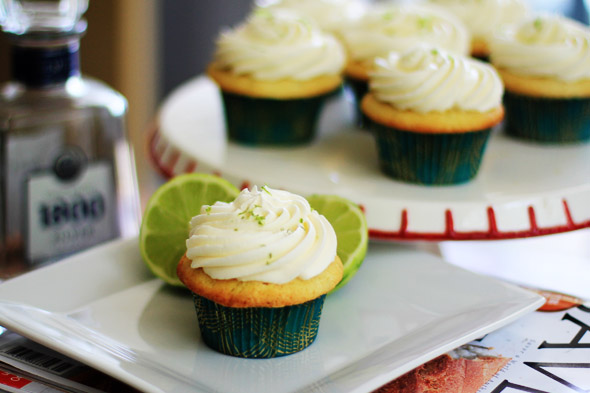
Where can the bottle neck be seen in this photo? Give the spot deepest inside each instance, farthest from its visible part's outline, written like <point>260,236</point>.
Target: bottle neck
<point>39,66</point>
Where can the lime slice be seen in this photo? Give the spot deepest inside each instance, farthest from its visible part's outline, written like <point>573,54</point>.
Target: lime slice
<point>165,223</point>
<point>350,225</point>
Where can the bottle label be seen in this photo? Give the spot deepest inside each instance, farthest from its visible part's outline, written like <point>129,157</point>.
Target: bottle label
<point>70,207</point>
<point>26,153</point>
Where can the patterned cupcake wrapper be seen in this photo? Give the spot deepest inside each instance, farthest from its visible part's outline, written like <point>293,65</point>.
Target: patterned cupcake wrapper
<point>272,122</point>
<point>358,88</point>
<point>258,332</point>
<point>547,120</point>
<point>429,159</point>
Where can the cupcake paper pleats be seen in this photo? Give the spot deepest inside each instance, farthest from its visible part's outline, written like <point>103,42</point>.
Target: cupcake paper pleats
<point>429,159</point>
<point>258,332</point>
<point>547,120</point>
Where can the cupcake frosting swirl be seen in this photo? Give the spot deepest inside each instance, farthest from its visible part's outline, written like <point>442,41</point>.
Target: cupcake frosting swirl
<point>545,46</point>
<point>263,235</point>
<point>484,17</point>
<point>387,28</point>
<point>427,79</point>
<point>330,15</point>
<point>277,44</point>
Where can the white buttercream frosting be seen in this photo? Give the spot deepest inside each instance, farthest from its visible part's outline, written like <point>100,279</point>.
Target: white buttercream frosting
<point>329,15</point>
<point>387,28</point>
<point>484,17</point>
<point>263,235</point>
<point>426,79</point>
<point>546,46</point>
<point>276,44</point>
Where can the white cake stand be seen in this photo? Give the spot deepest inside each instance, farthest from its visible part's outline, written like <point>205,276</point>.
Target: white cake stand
<point>521,190</point>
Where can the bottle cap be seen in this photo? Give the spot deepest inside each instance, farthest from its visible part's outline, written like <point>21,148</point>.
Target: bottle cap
<point>41,17</point>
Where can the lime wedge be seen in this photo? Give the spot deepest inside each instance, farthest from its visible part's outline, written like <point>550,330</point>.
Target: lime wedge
<point>350,225</point>
<point>165,224</point>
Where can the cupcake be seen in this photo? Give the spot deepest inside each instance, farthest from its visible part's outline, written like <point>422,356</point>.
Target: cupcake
<point>483,18</point>
<point>432,113</point>
<point>332,16</point>
<point>545,65</point>
<point>275,70</point>
<point>259,269</point>
<point>387,28</point>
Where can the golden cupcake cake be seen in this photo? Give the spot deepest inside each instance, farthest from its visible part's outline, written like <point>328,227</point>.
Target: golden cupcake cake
<point>483,18</point>
<point>275,71</point>
<point>545,65</point>
<point>432,113</point>
<point>393,27</point>
<point>259,269</point>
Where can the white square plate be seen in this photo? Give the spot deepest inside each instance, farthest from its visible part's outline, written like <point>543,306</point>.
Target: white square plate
<point>403,308</point>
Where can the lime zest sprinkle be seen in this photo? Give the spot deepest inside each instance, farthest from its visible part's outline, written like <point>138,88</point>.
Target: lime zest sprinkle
<point>538,24</point>
<point>434,52</point>
<point>263,12</point>
<point>259,218</point>
<point>265,189</point>
<point>306,23</point>
<point>301,220</point>
<point>425,23</point>
<point>250,214</point>
<point>208,210</point>
<point>269,260</point>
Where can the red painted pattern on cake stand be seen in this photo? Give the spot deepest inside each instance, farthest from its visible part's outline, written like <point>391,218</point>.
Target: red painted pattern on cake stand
<point>491,233</point>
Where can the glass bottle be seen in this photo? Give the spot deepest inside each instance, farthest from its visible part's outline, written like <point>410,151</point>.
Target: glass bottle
<point>67,175</point>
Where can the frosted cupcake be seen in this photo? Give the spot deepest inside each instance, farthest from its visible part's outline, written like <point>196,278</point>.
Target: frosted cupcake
<point>387,28</point>
<point>259,268</point>
<point>275,71</point>
<point>332,16</point>
<point>432,113</point>
<point>545,65</point>
<point>483,18</point>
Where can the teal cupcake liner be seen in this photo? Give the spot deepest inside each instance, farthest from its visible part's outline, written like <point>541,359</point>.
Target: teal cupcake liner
<point>429,159</point>
<point>273,122</point>
<point>547,120</point>
<point>258,332</point>
<point>358,88</point>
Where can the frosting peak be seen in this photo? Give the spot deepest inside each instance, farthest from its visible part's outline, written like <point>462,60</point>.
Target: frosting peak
<point>427,79</point>
<point>263,235</point>
<point>278,44</point>
<point>546,46</point>
<point>329,15</point>
<point>387,28</point>
<point>484,17</point>
<point>542,31</point>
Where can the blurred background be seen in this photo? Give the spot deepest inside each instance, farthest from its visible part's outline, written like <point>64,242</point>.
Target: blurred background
<point>147,48</point>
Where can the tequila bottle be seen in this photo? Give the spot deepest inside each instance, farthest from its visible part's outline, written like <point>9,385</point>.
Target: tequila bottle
<point>67,175</point>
